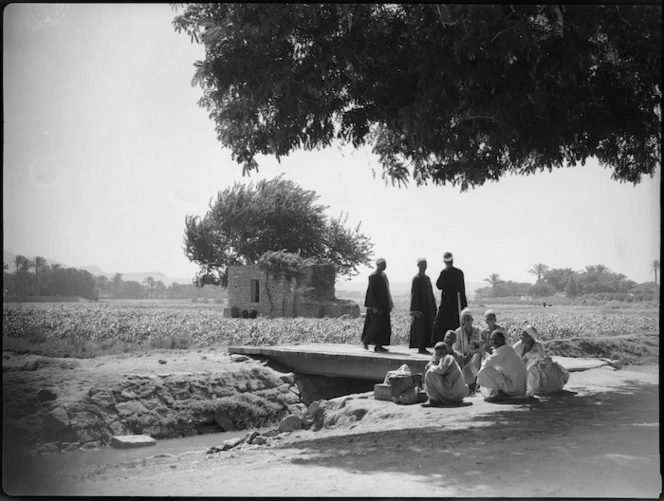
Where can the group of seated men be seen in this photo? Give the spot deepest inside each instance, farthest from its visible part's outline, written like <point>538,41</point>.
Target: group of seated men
<point>470,359</point>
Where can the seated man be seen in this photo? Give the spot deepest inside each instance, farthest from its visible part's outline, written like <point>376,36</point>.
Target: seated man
<point>472,347</point>
<point>490,319</point>
<point>503,373</point>
<point>449,340</point>
<point>443,381</point>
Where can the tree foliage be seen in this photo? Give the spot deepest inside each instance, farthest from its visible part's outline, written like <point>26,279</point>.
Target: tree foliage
<point>456,94</point>
<point>247,221</point>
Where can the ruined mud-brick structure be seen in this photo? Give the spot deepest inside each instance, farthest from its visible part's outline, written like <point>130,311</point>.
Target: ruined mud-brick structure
<point>309,293</point>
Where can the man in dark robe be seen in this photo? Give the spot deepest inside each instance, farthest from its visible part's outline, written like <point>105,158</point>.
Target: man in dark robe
<point>377,325</point>
<point>450,282</point>
<point>422,310</point>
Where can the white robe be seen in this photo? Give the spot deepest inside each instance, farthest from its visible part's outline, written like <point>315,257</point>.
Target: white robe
<point>503,370</point>
<point>544,375</point>
<point>443,382</point>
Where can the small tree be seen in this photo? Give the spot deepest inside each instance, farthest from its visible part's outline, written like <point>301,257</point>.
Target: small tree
<point>246,221</point>
<point>572,288</point>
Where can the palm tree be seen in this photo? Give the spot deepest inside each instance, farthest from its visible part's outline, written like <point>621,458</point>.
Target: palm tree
<point>21,263</point>
<point>654,266</point>
<point>591,268</point>
<point>161,289</point>
<point>149,281</point>
<point>494,279</point>
<point>538,270</point>
<point>117,285</point>
<point>600,268</point>
<point>40,262</point>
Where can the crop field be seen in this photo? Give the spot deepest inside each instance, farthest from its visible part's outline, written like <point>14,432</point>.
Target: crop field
<point>90,329</point>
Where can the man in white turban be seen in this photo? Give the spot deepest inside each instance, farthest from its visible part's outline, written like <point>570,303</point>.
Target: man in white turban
<point>452,289</point>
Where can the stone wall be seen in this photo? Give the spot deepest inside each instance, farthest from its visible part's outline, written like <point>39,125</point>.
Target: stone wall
<point>310,294</point>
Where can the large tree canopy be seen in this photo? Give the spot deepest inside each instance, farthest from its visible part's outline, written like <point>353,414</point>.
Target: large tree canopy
<point>247,222</point>
<point>455,94</point>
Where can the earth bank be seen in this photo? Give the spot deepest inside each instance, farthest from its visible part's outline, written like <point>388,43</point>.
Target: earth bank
<point>55,404</point>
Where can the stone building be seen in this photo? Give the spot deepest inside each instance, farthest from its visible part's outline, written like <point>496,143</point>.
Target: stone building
<point>309,294</point>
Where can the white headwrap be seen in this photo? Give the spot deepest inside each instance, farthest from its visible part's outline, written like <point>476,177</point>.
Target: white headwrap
<point>531,331</point>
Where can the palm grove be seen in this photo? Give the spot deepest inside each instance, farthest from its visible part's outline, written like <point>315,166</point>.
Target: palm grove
<point>596,281</point>
<point>26,277</point>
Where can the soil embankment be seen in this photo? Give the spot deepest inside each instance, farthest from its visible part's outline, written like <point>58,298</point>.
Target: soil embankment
<point>599,438</point>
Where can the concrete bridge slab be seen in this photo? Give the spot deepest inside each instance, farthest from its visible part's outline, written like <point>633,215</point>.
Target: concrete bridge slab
<point>352,361</point>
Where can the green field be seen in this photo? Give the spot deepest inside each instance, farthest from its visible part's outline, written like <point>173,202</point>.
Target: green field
<point>91,329</point>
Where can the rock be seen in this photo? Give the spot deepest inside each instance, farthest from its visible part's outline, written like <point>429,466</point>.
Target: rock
<point>31,365</point>
<point>232,443</point>
<point>249,437</point>
<point>290,423</point>
<point>284,388</point>
<point>239,358</point>
<point>56,420</point>
<point>256,384</point>
<point>259,440</point>
<point>162,361</point>
<point>127,395</point>
<point>129,408</point>
<point>224,422</point>
<point>91,446</point>
<point>289,378</point>
<point>290,398</point>
<point>48,449</point>
<point>86,435</point>
<point>117,428</point>
<point>131,441</point>
<point>68,446</point>
<point>101,396</point>
<point>295,389</point>
<point>46,395</point>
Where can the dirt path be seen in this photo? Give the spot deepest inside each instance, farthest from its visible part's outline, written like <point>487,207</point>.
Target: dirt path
<point>600,438</point>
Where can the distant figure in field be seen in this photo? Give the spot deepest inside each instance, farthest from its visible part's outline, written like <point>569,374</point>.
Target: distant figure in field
<point>544,375</point>
<point>443,380</point>
<point>472,347</point>
<point>450,282</point>
<point>503,373</point>
<point>422,310</point>
<point>378,301</point>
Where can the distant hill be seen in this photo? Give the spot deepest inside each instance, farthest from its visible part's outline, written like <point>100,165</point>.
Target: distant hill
<point>140,276</point>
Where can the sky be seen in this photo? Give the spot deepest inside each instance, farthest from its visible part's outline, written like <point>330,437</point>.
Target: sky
<point>106,151</point>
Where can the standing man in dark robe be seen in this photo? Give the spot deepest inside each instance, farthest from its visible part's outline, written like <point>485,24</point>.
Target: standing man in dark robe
<point>377,325</point>
<point>422,310</point>
<point>450,282</point>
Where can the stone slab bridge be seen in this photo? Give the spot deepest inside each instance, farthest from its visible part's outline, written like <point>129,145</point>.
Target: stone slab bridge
<point>352,361</point>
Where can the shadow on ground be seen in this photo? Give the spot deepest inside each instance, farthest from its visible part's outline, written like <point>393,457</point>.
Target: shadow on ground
<point>581,432</point>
